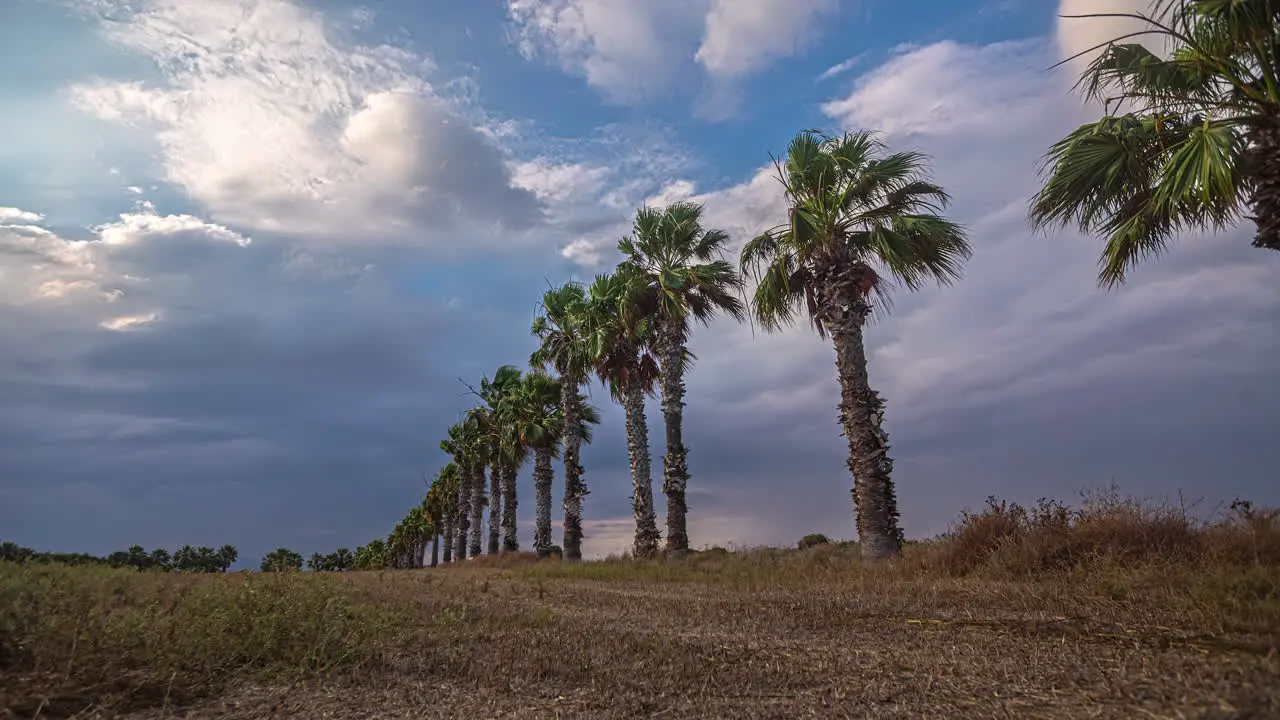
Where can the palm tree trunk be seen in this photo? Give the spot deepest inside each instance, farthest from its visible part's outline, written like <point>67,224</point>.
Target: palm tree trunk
<point>675,463</point>
<point>510,540</point>
<point>495,505</point>
<point>574,487</point>
<point>1264,165</point>
<point>862,414</point>
<point>435,549</point>
<point>542,477</point>
<point>647,536</point>
<point>462,511</point>
<point>477,511</point>
<point>446,529</point>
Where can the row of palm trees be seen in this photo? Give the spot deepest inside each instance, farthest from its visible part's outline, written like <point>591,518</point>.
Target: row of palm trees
<point>860,219</point>
<point>1198,142</point>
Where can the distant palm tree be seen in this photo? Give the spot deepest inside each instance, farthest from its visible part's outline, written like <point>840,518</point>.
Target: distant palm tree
<point>558,328</point>
<point>476,449</point>
<point>339,560</point>
<point>621,337</point>
<point>227,556</point>
<point>500,435</point>
<point>458,444</point>
<point>676,263</point>
<point>1198,141</point>
<point>282,560</point>
<point>161,559</point>
<point>858,218</point>
<point>445,487</point>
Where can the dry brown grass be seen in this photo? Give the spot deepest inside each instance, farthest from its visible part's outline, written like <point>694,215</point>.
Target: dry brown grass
<point>1119,610</point>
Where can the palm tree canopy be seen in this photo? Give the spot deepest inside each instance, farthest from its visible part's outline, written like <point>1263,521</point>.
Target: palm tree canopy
<point>618,334</point>
<point>676,263</point>
<point>535,417</point>
<point>491,423</point>
<point>444,491</point>
<point>558,329</point>
<point>1178,158</point>
<point>851,206</point>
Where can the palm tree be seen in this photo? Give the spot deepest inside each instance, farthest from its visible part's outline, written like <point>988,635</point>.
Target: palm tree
<point>1199,142</point>
<point>561,347</point>
<point>458,444</point>
<point>858,219</point>
<point>339,560</point>
<point>227,556</point>
<point>372,556</point>
<point>475,448</point>
<point>536,415</point>
<point>282,560</point>
<point>486,423</point>
<point>498,434</point>
<point>675,262</point>
<point>620,337</point>
<point>446,489</point>
<point>160,558</point>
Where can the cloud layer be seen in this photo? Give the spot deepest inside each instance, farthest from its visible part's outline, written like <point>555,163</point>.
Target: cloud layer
<point>632,51</point>
<point>268,123</point>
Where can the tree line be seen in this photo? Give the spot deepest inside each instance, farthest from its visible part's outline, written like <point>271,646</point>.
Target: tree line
<point>184,559</point>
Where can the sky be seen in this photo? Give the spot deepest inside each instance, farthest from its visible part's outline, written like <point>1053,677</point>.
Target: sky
<point>251,249</point>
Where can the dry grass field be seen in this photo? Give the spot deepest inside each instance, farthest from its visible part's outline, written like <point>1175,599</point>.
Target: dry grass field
<point>1117,612</point>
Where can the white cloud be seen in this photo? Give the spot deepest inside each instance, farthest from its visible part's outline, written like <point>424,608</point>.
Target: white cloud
<point>842,67</point>
<point>557,182</point>
<point>271,126</point>
<point>125,323</point>
<point>627,50</point>
<point>41,267</point>
<point>743,36</point>
<point>632,51</point>
<point>949,89</point>
<point>10,215</point>
<point>1077,35</point>
<point>138,227</point>
<point>588,253</point>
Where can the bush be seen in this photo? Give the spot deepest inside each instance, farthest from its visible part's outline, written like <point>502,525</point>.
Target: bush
<point>1014,540</point>
<point>813,540</point>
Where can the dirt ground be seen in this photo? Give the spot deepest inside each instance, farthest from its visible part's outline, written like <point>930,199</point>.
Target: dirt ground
<point>492,643</point>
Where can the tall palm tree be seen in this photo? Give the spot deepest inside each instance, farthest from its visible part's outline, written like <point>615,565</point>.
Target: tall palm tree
<point>446,485</point>
<point>501,436</point>
<point>457,444</point>
<point>486,420</point>
<point>858,220</point>
<point>558,328</point>
<point>620,337</point>
<point>476,450</point>
<point>535,412</point>
<point>1197,142</point>
<point>431,509</point>
<point>676,263</point>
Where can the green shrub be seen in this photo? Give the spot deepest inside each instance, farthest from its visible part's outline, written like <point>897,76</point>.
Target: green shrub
<point>813,540</point>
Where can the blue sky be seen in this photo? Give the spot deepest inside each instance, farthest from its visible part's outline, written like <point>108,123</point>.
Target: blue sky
<point>249,247</point>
